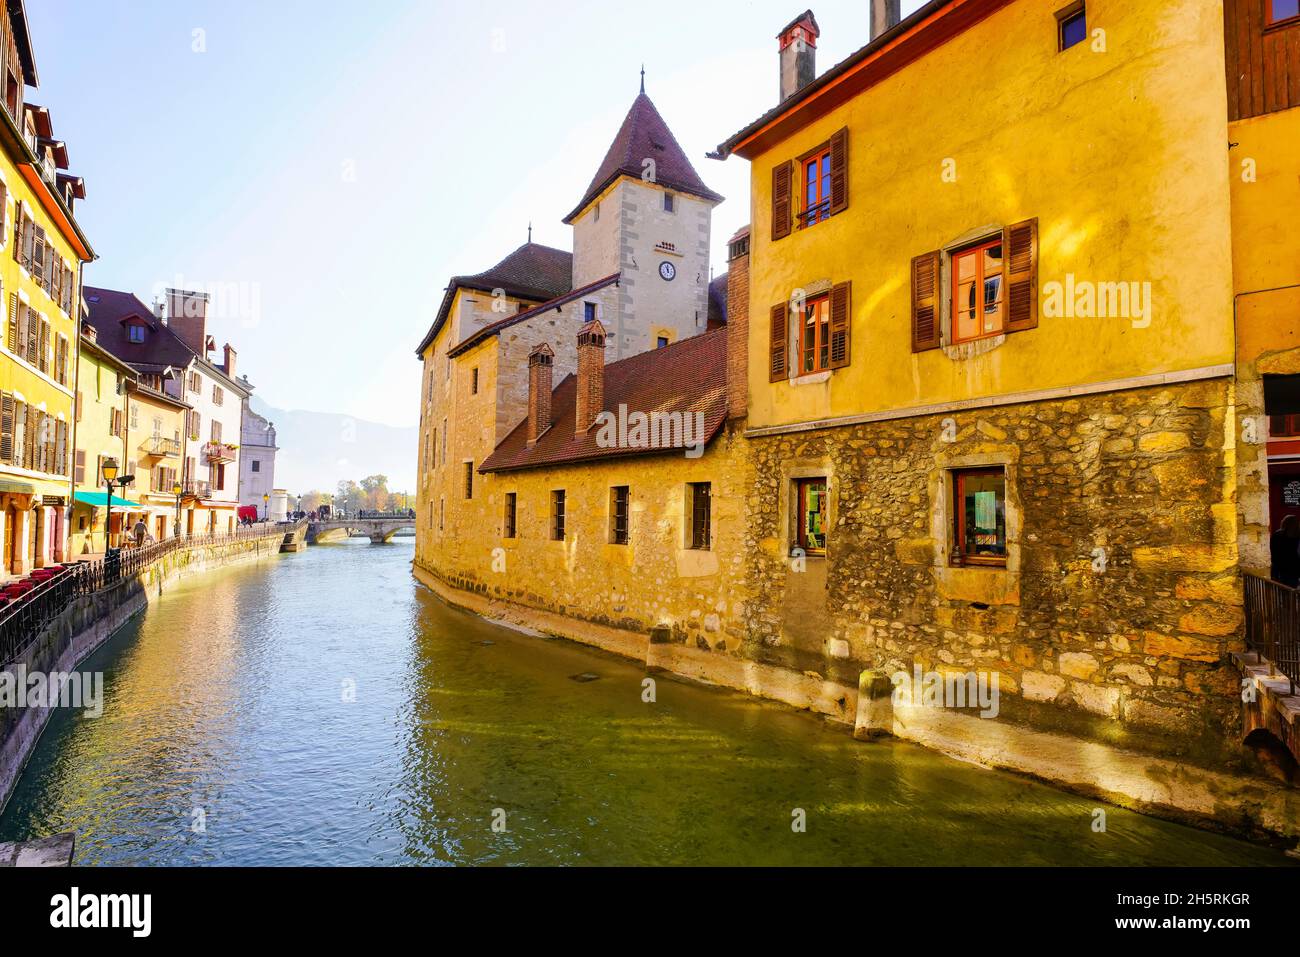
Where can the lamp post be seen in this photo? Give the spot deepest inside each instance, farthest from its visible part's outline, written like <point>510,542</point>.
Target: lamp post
<point>176,490</point>
<point>266,506</point>
<point>109,468</point>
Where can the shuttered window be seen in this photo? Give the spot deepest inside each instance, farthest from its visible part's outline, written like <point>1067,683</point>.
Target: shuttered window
<point>925,302</point>
<point>978,292</point>
<point>841,324</point>
<point>1021,244</point>
<point>79,467</point>
<point>814,335</point>
<point>510,525</point>
<point>11,330</point>
<point>7,409</point>
<point>778,343</point>
<point>557,515</point>
<point>822,188</point>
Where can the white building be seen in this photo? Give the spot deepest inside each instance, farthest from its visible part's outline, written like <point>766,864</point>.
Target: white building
<point>257,450</point>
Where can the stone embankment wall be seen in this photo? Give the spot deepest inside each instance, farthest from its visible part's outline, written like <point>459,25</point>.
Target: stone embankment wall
<point>90,621</point>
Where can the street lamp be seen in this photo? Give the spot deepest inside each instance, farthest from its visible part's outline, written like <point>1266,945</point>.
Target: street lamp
<point>109,468</point>
<point>266,506</point>
<point>176,490</point>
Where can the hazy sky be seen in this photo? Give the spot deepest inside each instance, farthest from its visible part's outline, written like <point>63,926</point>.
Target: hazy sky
<point>326,166</point>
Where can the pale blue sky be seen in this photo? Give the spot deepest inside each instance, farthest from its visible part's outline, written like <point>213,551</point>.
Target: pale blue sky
<point>334,163</point>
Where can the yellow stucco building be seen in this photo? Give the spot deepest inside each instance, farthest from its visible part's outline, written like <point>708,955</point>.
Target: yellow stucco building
<point>41,253</point>
<point>101,434</point>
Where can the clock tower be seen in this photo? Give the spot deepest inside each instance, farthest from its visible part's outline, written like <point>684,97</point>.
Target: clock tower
<point>647,215</point>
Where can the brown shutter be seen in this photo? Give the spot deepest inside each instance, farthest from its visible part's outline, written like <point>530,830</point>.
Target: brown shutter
<point>6,428</point>
<point>43,348</point>
<point>79,470</point>
<point>18,231</point>
<point>841,324</point>
<point>11,334</point>
<point>839,171</point>
<point>925,302</point>
<point>23,319</point>
<point>80,403</point>
<point>782,218</point>
<point>778,350</point>
<point>1020,247</point>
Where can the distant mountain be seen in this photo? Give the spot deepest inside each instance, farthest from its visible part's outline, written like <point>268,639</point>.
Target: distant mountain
<point>318,449</point>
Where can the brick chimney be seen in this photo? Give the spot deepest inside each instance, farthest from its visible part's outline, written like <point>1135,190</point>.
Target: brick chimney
<point>885,15</point>
<point>798,45</point>
<point>738,324</point>
<point>540,362</point>
<point>229,366</point>
<point>591,376</point>
<point>187,316</point>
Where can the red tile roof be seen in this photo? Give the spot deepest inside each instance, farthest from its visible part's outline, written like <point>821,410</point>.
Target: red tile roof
<point>535,272</point>
<point>491,329</point>
<point>685,377</point>
<point>644,135</point>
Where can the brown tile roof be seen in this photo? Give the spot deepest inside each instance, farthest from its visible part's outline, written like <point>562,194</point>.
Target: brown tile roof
<point>687,376</point>
<point>107,308</point>
<point>491,329</point>
<point>645,135</point>
<point>532,271</point>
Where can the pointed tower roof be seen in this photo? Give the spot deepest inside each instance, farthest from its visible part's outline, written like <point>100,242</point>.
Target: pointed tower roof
<point>644,135</point>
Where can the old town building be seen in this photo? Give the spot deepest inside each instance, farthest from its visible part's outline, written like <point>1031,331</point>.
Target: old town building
<point>42,250</point>
<point>171,350</point>
<point>257,450</point>
<point>1018,400</point>
<point>100,431</point>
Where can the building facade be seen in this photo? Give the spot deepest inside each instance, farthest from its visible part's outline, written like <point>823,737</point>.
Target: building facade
<point>156,450</point>
<point>42,250</point>
<point>169,346</point>
<point>100,434</point>
<point>257,450</point>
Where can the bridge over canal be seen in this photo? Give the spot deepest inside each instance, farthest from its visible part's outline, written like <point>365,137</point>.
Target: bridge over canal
<point>379,529</point>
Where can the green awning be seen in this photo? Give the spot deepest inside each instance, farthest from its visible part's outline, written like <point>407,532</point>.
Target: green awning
<point>97,500</point>
<point>17,488</point>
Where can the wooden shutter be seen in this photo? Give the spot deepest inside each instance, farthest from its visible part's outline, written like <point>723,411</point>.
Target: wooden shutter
<point>80,403</point>
<point>18,231</point>
<point>778,358</point>
<point>839,171</point>
<point>7,428</point>
<point>782,217</point>
<point>11,334</point>
<point>841,324</point>
<point>61,447</point>
<point>1020,247</point>
<point>33,335</point>
<point>23,319</point>
<point>43,347</point>
<point>925,301</point>
<point>79,467</point>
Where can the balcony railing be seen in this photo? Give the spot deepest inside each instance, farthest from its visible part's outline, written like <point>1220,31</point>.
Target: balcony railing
<point>158,445</point>
<point>1273,624</point>
<point>196,490</point>
<point>218,452</point>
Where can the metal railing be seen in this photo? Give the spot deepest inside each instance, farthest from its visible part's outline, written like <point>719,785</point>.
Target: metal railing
<point>158,445</point>
<point>218,452</point>
<point>1273,624</point>
<point>27,615</point>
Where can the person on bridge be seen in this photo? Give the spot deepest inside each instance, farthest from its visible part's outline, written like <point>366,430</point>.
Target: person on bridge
<point>140,529</point>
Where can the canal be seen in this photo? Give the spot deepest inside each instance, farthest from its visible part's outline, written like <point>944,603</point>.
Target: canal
<point>325,709</point>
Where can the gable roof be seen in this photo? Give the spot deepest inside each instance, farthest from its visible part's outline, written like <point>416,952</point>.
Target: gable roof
<point>23,40</point>
<point>491,329</point>
<point>686,377</point>
<point>535,272</point>
<point>108,310</point>
<point>644,135</point>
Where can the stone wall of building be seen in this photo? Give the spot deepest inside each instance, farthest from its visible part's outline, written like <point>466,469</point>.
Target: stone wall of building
<point>653,581</point>
<point>1120,600</point>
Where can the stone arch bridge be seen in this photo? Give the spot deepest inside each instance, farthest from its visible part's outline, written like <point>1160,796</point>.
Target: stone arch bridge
<point>379,529</point>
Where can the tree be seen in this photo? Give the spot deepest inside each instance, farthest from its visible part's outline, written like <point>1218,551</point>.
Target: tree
<point>350,498</point>
<point>312,500</point>
<point>375,490</point>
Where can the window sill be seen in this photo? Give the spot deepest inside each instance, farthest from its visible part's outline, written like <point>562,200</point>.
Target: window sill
<point>811,378</point>
<point>972,348</point>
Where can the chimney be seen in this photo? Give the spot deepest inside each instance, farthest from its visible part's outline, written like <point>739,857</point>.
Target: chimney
<point>591,377</point>
<point>738,324</point>
<point>798,44</point>
<point>229,367</point>
<point>187,316</point>
<point>885,15</point>
<point>540,361</point>
<point>89,331</point>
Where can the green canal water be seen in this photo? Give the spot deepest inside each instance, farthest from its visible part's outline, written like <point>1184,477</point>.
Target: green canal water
<point>325,709</point>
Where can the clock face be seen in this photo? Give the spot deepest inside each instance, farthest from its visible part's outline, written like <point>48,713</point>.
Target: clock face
<point>667,271</point>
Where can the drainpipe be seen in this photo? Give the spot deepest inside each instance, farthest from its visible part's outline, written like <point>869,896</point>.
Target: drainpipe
<point>76,389</point>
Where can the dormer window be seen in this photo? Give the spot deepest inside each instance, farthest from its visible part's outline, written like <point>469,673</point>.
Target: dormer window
<point>135,332</point>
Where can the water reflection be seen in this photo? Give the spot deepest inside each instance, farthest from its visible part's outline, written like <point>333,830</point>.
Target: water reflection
<point>325,710</point>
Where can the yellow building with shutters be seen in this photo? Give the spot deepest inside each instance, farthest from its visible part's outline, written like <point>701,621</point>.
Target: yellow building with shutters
<point>990,372</point>
<point>157,444</point>
<point>42,250</point>
<point>103,382</point>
